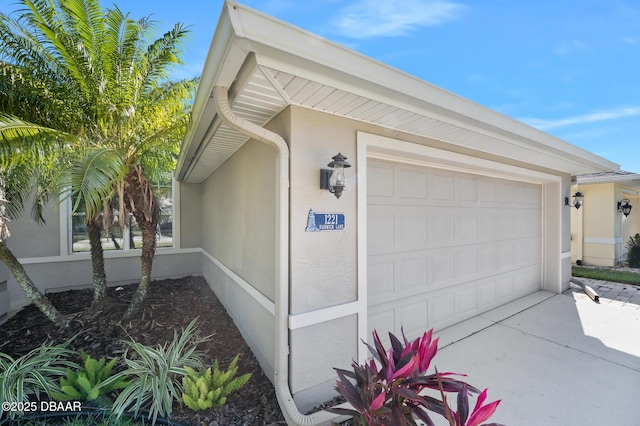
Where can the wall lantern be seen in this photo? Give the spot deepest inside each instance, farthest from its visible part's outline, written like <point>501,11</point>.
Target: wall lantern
<point>578,199</point>
<point>333,179</point>
<point>624,207</point>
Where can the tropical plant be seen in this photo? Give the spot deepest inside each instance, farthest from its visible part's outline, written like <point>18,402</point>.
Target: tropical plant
<point>633,255</point>
<point>86,384</point>
<point>389,389</point>
<point>481,411</point>
<point>207,389</point>
<point>34,373</point>
<point>27,173</point>
<point>113,94</point>
<point>156,373</point>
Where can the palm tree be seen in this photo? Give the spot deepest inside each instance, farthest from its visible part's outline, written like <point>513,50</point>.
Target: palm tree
<point>125,113</point>
<point>27,167</point>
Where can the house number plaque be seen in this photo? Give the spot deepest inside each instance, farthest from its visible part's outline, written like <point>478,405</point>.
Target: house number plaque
<point>324,221</point>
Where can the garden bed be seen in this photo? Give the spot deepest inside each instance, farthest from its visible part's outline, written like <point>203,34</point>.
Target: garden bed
<point>170,306</point>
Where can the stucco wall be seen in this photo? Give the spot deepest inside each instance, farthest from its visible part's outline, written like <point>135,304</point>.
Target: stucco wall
<point>238,235</point>
<point>238,215</point>
<point>54,274</point>
<point>28,239</point>
<point>190,214</point>
<point>600,232</point>
<point>630,225</point>
<point>323,264</point>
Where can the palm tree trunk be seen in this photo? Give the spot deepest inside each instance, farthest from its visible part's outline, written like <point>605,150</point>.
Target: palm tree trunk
<point>148,229</point>
<point>97,262</point>
<point>141,202</point>
<point>30,289</point>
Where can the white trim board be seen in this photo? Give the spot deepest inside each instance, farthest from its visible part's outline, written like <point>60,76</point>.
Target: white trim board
<point>595,240</point>
<point>263,300</point>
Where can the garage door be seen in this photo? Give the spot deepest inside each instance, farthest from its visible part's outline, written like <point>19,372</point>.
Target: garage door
<point>444,246</point>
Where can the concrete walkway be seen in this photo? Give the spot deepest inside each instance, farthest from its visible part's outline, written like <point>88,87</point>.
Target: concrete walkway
<point>554,359</point>
<point>615,294</point>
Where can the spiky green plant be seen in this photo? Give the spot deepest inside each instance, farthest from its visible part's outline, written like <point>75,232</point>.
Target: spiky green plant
<point>207,389</point>
<point>34,373</point>
<point>156,372</point>
<point>87,384</point>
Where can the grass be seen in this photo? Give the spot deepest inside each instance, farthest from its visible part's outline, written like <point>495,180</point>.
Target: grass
<point>606,274</point>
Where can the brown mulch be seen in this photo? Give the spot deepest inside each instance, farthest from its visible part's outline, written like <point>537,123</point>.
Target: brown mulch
<point>170,305</point>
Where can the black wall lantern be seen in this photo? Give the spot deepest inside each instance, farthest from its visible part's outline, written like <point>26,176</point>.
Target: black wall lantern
<point>578,199</point>
<point>333,179</point>
<point>624,207</point>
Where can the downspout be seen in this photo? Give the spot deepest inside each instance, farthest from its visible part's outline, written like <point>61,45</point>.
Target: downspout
<point>281,369</point>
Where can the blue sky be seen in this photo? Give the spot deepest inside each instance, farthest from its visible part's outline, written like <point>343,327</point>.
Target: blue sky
<point>570,68</point>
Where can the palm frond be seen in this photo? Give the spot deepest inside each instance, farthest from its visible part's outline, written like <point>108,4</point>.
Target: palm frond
<point>92,180</point>
<point>19,136</point>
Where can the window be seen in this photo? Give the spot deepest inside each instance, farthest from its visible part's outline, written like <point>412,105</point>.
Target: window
<point>117,238</point>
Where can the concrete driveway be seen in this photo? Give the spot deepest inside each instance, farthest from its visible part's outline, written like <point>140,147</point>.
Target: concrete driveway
<point>553,359</point>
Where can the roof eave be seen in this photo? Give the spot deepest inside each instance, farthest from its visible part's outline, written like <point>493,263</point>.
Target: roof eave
<point>631,179</point>
<point>242,30</point>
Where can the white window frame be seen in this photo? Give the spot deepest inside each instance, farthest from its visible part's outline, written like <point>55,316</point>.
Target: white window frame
<point>66,237</point>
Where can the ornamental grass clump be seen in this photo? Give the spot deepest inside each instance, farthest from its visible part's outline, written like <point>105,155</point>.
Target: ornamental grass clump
<point>156,372</point>
<point>209,389</point>
<point>35,373</point>
<point>389,389</point>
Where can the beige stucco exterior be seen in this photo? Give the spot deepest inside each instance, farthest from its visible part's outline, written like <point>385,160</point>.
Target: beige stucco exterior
<point>599,232</point>
<point>269,114</point>
<point>308,99</point>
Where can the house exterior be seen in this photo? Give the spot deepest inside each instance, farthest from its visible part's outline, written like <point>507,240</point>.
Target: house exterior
<point>449,210</point>
<point>599,229</point>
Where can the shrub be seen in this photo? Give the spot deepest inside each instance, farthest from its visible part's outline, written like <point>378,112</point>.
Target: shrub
<point>86,384</point>
<point>633,255</point>
<point>389,388</point>
<point>156,373</point>
<point>34,373</point>
<point>204,389</point>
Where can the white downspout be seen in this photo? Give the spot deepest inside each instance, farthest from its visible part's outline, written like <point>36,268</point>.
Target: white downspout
<point>281,369</point>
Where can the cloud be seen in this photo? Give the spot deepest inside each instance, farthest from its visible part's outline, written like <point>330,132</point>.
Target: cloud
<point>377,18</point>
<point>629,40</point>
<point>571,47</point>
<point>613,114</point>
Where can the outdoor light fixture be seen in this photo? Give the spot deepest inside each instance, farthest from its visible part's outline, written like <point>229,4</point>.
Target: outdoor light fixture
<point>624,207</point>
<point>578,198</point>
<point>333,179</point>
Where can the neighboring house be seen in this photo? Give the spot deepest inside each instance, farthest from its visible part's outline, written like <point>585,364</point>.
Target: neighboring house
<point>450,209</point>
<point>599,229</point>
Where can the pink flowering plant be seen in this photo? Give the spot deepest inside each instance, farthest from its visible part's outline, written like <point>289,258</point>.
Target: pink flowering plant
<point>389,389</point>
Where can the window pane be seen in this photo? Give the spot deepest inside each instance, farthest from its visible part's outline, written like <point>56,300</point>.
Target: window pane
<point>111,240</point>
<point>164,231</point>
<point>115,238</point>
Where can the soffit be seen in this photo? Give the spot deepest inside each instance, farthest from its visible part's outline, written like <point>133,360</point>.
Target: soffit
<point>266,92</point>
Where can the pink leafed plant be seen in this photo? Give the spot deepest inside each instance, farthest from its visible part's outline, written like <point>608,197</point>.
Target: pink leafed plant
<point>390,388</point>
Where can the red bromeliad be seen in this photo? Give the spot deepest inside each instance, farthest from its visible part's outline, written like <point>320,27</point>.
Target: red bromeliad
<point>388,389</point>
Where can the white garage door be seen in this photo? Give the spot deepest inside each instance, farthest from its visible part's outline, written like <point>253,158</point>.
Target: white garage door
<point>444,246</point>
